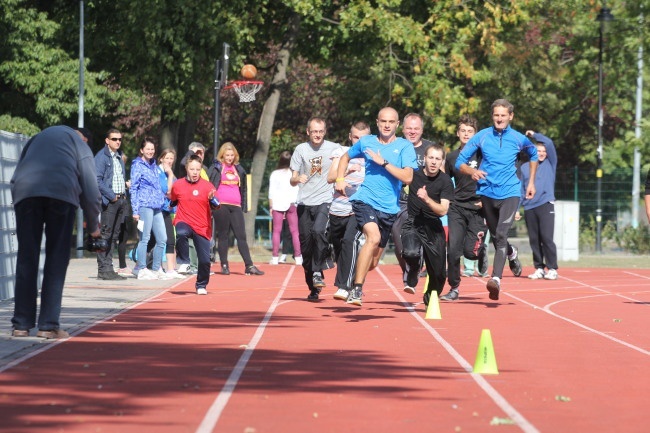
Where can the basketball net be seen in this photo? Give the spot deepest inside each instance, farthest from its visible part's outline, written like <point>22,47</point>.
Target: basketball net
<point>246,90</point>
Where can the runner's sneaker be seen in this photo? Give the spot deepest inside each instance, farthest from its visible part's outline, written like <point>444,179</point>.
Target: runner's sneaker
<point>313,295</point>
<point>355,296</point>
<point>225,270</point>
<point>318,281</point>
<point>201,291</point>
<point>283,259</point>
<point>252,270</point>
<point>537,275</point>
<point>514,263</point>
<point>551,275</point>
<point>483,261</point>
<point>274,261</point>
<point>184,268</point>
<point>410,290</point>
<point>452,295</point>
<point>341,294</point>
<point>494,286</point>
<point>298,260</point>
<point>146,274</point>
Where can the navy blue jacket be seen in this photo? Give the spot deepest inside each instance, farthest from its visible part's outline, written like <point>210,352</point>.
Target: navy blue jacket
<point>104,168</point>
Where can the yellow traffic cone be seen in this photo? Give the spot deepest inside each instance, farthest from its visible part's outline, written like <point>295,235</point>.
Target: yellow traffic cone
<point>486,362</point>
<point>433,309</point>
<point>426,284</point>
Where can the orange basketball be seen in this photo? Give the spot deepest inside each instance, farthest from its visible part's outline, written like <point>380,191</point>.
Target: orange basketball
<point>249,72</point>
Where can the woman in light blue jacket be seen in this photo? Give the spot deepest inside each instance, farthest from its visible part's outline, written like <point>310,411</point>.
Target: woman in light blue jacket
<point>147,200</point>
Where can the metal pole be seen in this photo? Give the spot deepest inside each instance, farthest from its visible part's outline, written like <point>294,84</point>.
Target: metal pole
<point>80,120</point>
<point>636,181</point>
<point>220,80</point>
<point>599,161</point>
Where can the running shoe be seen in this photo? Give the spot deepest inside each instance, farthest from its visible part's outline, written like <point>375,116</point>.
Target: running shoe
<point>162,275</point>
<point>551,275</point>
<point>201,291</point>
<point>483,260</point>
<point>252,270</point>
<point>452,295</point>
<point>225,270</point>
<point>537,275</point>
<point>341,294</point>
<point>313,295</point>
<point>282,259</point>
<point>494,287</point>
<point>355,296</point>
<point>184,268</point>
<point>410,290</point>
<point>274,261</point>
<point>514,263</point>
<point>146,274</point>
<point>318,281</point>
<point>298,260</point>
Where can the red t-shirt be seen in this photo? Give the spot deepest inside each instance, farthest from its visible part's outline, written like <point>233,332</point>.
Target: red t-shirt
<point>193,205</point>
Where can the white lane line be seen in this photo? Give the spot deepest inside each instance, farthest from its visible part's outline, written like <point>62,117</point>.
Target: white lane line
<point>216,409</point>
<point>497,398</point>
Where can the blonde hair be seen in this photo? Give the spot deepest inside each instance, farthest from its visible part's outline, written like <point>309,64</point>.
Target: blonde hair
<point>228,146</point>
<point>164,153</point>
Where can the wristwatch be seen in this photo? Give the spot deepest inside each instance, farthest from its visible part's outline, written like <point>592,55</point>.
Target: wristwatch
<point>385,163</point>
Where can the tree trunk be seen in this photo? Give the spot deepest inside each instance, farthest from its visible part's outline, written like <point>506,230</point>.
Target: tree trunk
<point>177,135</point>
<point>265,129</point>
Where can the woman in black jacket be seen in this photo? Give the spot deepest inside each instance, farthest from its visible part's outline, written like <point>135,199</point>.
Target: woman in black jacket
<point>229,178</point>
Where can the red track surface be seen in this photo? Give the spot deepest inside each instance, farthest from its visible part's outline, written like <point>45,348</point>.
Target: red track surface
<point>253,356</point>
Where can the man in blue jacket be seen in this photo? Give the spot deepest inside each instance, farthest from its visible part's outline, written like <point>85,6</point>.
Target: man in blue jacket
<point>497,181</point>
<point>112,186</point>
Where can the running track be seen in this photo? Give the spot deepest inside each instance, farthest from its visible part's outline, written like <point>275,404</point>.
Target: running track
<point>254,357</point>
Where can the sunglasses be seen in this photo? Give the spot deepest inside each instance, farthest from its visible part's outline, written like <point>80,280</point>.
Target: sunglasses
<point>115,139</point>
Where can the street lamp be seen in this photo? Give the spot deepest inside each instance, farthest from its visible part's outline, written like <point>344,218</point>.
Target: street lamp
<point>604,16</point>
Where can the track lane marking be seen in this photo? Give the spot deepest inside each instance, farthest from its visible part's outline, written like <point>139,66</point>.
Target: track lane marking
<point>497,398</point>
<point>213,414</point>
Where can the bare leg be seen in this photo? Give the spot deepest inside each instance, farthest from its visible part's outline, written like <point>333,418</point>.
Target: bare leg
<point>369,254</point>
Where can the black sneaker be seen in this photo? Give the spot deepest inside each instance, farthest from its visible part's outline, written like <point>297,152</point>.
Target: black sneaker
<point>111,275</point>
<point>355,296</point>
<point>483,261</point>
<point>252,270</point>
<point>452,295</point>
<point>494,287</point>
<point>225,270</point>
<point>426,298</point>
<point>515,264</point>
<point>313,295</point>
<point>318,281</point>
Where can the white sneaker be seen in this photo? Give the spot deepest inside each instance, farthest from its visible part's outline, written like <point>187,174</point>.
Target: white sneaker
<point>341,294</point>
<point>274,261</point>
<point>409,289</point>
<point>298,260</point>
<point>146,274</point>
<point>184,269</point>
<point>538,274</point>
<point>283,258</point>
<point>162,275</point>
<point>201,291</point>
<point>551,275</point>
<point>174,274</point>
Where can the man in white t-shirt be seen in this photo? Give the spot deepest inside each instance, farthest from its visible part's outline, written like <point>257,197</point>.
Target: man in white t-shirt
<point>310,164</point>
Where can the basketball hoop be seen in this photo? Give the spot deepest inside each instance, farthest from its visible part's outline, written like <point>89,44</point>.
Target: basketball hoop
<point>246,89</point>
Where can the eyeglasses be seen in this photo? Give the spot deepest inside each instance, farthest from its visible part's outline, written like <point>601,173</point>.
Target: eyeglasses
<point>115,139</point>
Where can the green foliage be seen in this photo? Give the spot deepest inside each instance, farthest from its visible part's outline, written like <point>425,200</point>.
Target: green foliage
<point>18,125</point>
<point>634,240</point>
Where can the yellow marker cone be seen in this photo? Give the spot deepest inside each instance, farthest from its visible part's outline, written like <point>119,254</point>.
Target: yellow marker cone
<point>426,284</point>
<point>433,310</point>
<point>486,362</point>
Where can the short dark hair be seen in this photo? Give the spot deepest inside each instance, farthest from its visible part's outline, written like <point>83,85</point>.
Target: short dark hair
<point>468,120</point>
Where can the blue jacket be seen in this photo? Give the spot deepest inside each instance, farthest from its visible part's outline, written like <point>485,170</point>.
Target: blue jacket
<point>500,150</point>
<point>545,177</point>
<point>167,207</point>
<point>145,186</point>
<point>104,168</point>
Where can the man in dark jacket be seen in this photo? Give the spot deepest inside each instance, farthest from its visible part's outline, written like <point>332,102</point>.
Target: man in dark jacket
<point>54,176</point>
<point>111,181</point>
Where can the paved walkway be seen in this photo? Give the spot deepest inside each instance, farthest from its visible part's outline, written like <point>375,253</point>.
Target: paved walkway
<point>86,301</point>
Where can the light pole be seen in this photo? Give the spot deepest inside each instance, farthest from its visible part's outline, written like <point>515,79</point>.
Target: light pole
<point>604,17</point>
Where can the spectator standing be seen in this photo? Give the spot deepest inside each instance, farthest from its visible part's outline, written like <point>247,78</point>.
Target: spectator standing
<point>343,226</point>
<point>430,194</point>
<point>282,201</point>
<point>166,177</point>
<point>498,184</point>
<point>47,200</point>
<point>194,199</point>
<point>147,200</point>
<point>229,178</point>
<point>539,211</point>
<point>109,166</point>
<point>309,165</point>
<point>390,162</point>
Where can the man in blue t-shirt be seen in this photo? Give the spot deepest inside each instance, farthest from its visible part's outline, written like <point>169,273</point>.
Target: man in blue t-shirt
<point>497,181</point>
<point>390,162</point>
